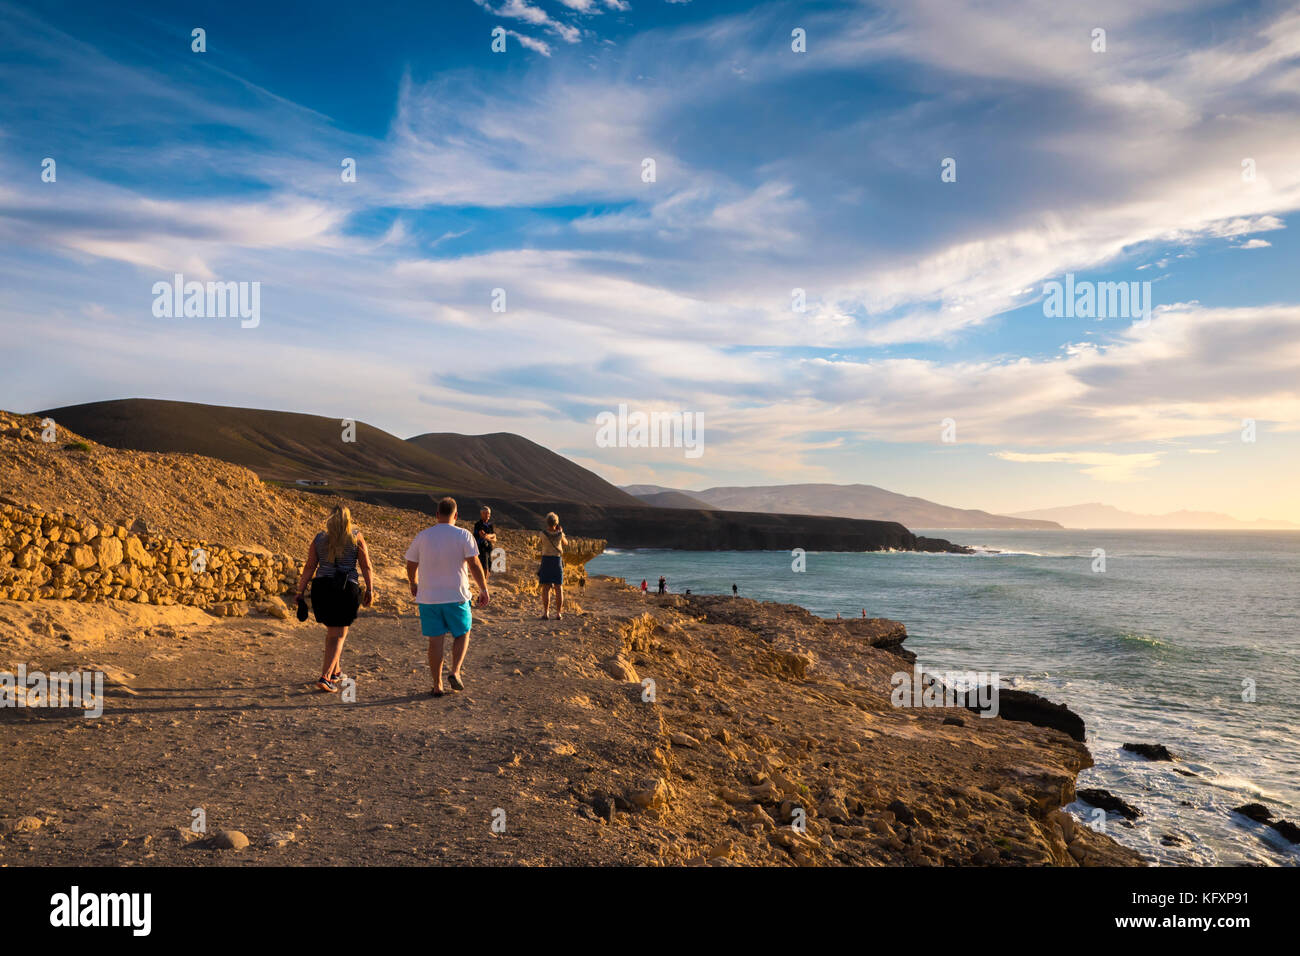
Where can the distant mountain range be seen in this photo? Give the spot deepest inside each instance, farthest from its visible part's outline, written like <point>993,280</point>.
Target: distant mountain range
<point>1096,515</point>
<point>666,497</point>
<point>845,501</point>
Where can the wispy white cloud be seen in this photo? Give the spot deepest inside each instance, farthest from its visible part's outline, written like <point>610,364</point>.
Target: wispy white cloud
<point>1103,466</point>
<point>534,15</point>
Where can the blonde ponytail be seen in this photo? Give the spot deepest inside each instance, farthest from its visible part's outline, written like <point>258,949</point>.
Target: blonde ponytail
<point>342,532</point>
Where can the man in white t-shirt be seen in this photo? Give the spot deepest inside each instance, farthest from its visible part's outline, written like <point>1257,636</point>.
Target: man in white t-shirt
<point>438,564</point>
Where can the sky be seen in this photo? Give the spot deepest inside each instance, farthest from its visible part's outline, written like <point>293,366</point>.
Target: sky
<point>922,170</point>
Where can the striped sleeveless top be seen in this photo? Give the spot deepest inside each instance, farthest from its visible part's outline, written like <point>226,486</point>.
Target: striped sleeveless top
<point>346,564</point>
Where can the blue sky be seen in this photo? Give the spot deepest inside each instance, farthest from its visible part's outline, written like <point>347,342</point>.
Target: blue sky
<point>775,170</point>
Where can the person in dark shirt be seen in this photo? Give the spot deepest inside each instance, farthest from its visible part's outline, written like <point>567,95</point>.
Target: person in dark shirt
<point>734,590</point>
<point>663,584</point>
<point>485,535</point>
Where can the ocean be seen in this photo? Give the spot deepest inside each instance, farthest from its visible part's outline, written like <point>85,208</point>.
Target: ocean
<point>1168,644</point>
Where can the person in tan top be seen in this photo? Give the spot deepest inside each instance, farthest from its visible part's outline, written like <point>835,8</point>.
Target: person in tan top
<point>551,572</point>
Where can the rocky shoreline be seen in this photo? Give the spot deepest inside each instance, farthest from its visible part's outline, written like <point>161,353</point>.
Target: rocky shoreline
<point>683,530</point>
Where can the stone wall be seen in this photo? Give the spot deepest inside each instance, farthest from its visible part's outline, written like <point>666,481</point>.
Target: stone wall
<point>45,555</point>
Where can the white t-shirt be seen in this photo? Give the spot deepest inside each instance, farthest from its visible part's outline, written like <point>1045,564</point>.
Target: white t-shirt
<point>440,551</point>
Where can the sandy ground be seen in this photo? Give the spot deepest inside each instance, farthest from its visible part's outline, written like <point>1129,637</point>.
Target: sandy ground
<point>218,714</point>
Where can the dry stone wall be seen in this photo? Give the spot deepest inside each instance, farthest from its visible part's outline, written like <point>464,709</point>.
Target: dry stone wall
<point>50,555</point>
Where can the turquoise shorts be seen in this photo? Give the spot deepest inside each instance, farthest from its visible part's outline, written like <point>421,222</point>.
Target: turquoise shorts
<point>439,619</point>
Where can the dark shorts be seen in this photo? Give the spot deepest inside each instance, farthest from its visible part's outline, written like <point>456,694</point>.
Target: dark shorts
<point>335,606</point>
<point>484,558</point>
<point>551,570</point>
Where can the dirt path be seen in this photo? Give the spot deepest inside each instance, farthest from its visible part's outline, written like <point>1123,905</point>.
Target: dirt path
<point>224,720</point>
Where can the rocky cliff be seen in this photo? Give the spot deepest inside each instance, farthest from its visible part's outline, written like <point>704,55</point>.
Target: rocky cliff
<point>644,527</point>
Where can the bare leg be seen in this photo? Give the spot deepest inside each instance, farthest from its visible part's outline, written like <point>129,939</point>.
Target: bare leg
<point>337,635</point>
<point>559,598</point>
<point>333,649</point>
<point>458,648</point>
<point>546,599</point>
<point>435,661</point>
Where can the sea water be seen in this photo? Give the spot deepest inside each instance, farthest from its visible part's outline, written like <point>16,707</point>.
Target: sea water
<point>1189,639</point>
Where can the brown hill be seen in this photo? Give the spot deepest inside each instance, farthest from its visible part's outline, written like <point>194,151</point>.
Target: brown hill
<point>279,446</point>
<point>525,464</point>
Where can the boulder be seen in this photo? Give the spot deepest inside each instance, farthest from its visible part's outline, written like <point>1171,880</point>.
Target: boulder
<point>1255,811</point>
<point>1105,800</point>
<point>108,551</point>
<point>651,795</point>
<point>721,850</point>
<point>833,808</point>
<point>136,553</point>
<point>620,668</point>
<point>64,575</point>
<point>1287,829</point>
<point>276,609</point>
<point>1150,751</point>
<point>902,812</point>
<point>1020,705</point>
<point>229,840</point>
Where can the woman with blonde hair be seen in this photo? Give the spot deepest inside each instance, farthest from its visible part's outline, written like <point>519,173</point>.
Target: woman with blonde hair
<point>333,559</point>
<point>551,573</point>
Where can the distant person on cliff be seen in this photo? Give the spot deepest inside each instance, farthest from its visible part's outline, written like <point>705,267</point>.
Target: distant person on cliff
<point>550,574</point>
<point>486,537</point>
<point>735,591</point>
<point>663,584</point>
<point>438,565</point>
<point>645,587</point>
<point>333,558</point>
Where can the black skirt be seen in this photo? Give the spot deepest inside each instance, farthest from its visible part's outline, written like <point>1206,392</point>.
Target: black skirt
<point>551,570</point>
<point>335,606</point>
